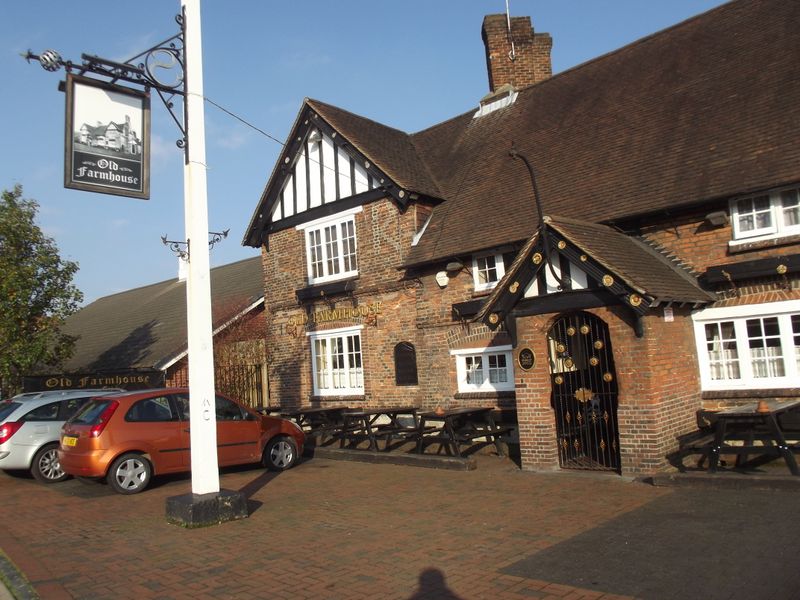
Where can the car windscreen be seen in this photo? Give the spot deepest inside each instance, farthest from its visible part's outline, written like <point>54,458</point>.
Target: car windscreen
<point>6,408</point>
<point>89,413</point>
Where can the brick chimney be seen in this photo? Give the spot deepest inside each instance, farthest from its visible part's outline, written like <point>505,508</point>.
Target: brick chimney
<point>523,63</point>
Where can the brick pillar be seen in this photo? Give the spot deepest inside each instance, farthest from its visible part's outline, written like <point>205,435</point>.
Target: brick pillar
<point>529,63</point>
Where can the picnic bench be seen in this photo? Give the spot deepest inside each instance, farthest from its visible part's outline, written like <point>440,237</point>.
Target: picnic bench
<point>460,426</point>
<point>763,431</point>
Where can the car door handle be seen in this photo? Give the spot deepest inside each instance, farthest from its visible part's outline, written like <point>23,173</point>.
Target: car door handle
<point>186,430</point>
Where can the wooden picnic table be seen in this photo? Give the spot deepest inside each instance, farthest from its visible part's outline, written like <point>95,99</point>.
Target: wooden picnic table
<point>388,423</point>
<point>318,421</point>
<point>747,425</point>
<point>459,426</point>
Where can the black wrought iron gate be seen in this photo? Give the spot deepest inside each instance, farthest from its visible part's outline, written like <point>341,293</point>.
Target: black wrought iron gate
<point>584,393</point>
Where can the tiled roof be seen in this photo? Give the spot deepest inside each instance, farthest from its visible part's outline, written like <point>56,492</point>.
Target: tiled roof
<point>706,109</point>
<point>636,263</point>
<point>145,328</point>
<point>640,267</point>
<point>392,150</point>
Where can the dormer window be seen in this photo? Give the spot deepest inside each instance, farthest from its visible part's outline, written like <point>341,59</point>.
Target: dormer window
<point>772,214</point>
<point>503,96</point>
<point>331,248</point>
<point>487,270</point>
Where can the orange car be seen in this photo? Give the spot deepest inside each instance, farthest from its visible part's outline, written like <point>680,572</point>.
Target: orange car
<point>127,438</point>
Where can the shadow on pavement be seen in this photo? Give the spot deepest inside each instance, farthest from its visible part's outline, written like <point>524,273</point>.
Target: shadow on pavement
<point>432,585</point>
<point>715,549</point>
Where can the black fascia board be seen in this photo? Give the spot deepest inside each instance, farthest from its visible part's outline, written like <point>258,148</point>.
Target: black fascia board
<point>325,290</point>
<point>464,310</point>
<point>565,301</point>
<point>326,210</point>
<point>751,269</point>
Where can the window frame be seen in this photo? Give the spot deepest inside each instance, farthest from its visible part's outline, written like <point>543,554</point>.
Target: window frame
<point>499,266</point>
<point>349,370</point>
<point>465,355</point>
<point>739,317</point>
<point>777,213</point>
<point>318,227</point>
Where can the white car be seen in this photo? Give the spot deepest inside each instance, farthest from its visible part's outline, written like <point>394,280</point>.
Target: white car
<point>30,429</point>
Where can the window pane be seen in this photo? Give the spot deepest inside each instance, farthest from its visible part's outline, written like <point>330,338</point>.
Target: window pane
<point>474,370</point>
<point>321,367</point>
<point>337,363</point>
<point>723,355</point>
<point>349,246</point>
<point>47,412</point>
<point>497,368</point>
<point>332,250</point>
<point>354,361</point>
<point>150,410</point>
<point>796,335</point>
<point>315,253</point>
<point>763,337</point>
<point>790,203</point>
<point>487,269</point>
<point>228,410</point>
<point>754,214</point>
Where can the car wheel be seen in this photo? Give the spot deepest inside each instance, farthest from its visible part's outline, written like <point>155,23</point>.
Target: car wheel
<point>46,468</point>
<point>280,454</point>
<point>129,474</point>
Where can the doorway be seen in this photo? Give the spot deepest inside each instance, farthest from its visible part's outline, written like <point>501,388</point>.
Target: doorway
<point>584,393</point>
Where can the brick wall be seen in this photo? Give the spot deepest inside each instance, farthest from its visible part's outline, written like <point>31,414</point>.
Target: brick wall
<point>700,245</point>
<point>413,309</point>
<point>658,389</point>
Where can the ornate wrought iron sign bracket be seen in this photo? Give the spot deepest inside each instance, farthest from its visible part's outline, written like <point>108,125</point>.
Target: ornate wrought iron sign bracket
<point>161,68</point>
<point>182,249</point>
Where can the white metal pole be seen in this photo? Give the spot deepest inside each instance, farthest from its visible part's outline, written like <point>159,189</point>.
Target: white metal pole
<point>203,421</point>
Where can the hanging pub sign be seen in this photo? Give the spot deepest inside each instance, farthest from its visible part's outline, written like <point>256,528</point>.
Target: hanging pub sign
<point>107,137</point>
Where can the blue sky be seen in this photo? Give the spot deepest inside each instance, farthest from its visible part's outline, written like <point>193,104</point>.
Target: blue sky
<point>408,64</point>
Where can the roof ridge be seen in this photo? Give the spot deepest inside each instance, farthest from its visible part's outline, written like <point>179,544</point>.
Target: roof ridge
<point>312,101</point>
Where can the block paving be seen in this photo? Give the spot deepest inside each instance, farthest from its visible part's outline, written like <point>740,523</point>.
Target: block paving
<point>334,529</point>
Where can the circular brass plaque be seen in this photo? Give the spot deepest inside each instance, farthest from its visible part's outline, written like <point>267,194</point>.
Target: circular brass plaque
<point>526,359</point>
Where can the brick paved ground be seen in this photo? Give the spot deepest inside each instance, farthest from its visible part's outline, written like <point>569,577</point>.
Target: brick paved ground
<point>331,529</point>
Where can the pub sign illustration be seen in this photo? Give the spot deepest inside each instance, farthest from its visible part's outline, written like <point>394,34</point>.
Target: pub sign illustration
<point>107,137</point>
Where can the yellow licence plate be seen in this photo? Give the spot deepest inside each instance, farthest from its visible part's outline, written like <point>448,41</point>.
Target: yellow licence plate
<point>69,440</point>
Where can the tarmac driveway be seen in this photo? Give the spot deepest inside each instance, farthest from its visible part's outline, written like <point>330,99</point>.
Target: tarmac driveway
<point>331,529</point>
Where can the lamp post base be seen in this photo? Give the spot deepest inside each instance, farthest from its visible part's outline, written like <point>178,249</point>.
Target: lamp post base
<point>202,510</point>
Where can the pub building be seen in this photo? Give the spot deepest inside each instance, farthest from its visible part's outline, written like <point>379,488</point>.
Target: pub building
<point>601,252</point>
